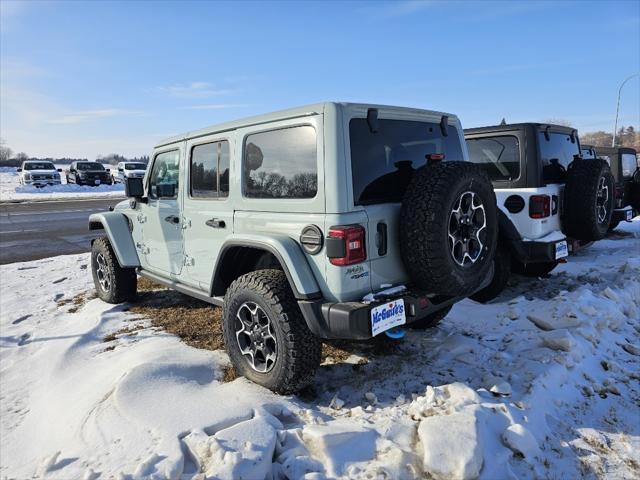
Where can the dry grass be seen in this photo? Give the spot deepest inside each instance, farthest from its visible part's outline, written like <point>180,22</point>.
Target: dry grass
<point>78,301</point>
<point>197,323</point>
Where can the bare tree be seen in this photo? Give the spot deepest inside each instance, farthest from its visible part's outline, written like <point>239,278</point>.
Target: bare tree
<point>5,152</point>
<point>558,121</point>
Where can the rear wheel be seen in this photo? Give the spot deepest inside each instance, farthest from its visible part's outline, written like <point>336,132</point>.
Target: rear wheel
<point>448,228</point>
<point>267,338</point>
<point>114,284</point>
<point>501,274</point>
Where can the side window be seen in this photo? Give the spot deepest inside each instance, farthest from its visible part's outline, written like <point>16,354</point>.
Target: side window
<point>281,164</point>
<point>166,169</point>
<point>210,170</point>
<point>498,156</point>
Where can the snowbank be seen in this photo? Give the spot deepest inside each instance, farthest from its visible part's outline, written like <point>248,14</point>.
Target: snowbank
<point>489,394</point>
<point>10,188</point>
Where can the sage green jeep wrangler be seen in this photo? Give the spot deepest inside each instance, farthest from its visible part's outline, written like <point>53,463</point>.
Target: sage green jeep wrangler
<point>330,221</point>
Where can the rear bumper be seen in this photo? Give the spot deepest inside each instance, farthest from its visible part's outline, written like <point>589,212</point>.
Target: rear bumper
<point>352,320</point>
<point>623,214</point>
<point>534,252</point>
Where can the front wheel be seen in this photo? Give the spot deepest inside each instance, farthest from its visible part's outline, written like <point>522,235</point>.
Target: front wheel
<point>265,334</point>
<point>114,284</point>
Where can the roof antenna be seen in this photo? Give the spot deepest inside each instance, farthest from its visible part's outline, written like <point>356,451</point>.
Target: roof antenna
<point>372,120</point>
<point>444,125</point>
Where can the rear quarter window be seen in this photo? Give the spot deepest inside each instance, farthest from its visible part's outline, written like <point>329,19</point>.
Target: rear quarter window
<point>281,163</point>
<point>498,156</point>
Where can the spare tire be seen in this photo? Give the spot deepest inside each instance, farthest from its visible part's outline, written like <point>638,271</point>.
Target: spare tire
<point>589,196</point>
<point>448,228</point>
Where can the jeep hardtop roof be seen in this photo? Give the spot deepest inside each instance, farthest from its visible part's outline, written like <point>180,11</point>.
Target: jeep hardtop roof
<point>517,126</point>
<point>306,110</point>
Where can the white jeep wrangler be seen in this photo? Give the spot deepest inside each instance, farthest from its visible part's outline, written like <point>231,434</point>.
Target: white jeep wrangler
<point>551,202</point>
<point>332,220</point>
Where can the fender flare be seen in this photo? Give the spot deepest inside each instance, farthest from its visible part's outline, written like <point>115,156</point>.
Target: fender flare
<point>116,226</point>
<point>287,252</point>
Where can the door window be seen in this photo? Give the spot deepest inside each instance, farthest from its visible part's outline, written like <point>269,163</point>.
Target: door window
<point>166,169</point>
<point>210,170</point>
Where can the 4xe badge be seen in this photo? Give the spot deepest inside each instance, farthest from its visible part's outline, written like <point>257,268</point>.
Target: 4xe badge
<point>386,316</point>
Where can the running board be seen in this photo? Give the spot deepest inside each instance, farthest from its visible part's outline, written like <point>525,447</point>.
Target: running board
<point>182,288</point>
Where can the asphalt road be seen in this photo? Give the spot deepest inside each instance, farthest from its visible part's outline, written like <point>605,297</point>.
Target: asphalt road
<point>34,230</point>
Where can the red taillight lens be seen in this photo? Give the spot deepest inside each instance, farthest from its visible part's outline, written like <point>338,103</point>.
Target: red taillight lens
<point>539,206</point>
<point>350,244</point>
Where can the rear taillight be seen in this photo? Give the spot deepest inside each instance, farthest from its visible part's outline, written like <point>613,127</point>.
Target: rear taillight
<point>539,206</point>
<point>346,245</point>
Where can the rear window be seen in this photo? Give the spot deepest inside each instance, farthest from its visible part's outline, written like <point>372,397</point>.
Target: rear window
<point>556,154</point>
<point>628,164</point>
<point>588,154</point>
<point>498,156</point>
<point>383,163</point>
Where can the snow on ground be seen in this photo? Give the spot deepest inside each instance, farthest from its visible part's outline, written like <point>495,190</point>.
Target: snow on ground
<point>544,382</point>
<point>10,188</point>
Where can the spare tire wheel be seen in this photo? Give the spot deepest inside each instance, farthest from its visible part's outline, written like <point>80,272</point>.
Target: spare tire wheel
<point>448,228</point>
<point>589,196</point>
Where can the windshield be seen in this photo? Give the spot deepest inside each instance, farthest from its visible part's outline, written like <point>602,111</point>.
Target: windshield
<point>556,154</point>
<point>588,153</point>
<point>498,156</point>
<point>135,166</point>
<point>382,163</point>
<point>39,166</point>
<point>90,166</point>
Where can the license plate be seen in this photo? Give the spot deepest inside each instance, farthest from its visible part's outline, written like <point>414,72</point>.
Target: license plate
<point>387,315</point>
<point>562,249</point>
<point>97,182</point>
<point>629,215</point>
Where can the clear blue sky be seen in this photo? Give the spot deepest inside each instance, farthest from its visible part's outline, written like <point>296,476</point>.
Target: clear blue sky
<point>89,78</point>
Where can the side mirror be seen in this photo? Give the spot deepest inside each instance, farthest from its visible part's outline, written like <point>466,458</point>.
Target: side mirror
<point>165,190</point>
<point>133,187</point>
<point>19,169</point>
<point>59,169</point>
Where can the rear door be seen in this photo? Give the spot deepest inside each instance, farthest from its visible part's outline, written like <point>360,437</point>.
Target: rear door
<point>208,214</point>
<point>382,165</point>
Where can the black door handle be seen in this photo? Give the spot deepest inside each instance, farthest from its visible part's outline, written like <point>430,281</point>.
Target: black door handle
<point>215,223</point>
<point>172,219</point>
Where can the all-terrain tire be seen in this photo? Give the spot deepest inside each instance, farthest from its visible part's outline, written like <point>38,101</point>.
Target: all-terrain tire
<point>539,269</point>
<point>501,274</point>
<point>432,320</point>
<point>580,215</point>
<point>297,349</point>
<point>425,221</point>
<point>121,283</point>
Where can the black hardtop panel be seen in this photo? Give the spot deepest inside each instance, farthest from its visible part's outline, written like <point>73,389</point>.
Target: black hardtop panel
<point>519,126</point>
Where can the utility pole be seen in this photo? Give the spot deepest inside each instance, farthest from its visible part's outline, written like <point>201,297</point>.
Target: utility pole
<point>615,128</point>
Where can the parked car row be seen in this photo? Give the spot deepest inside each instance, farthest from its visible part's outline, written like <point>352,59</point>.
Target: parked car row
<point>347,221</point>
<point>42,173</point>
